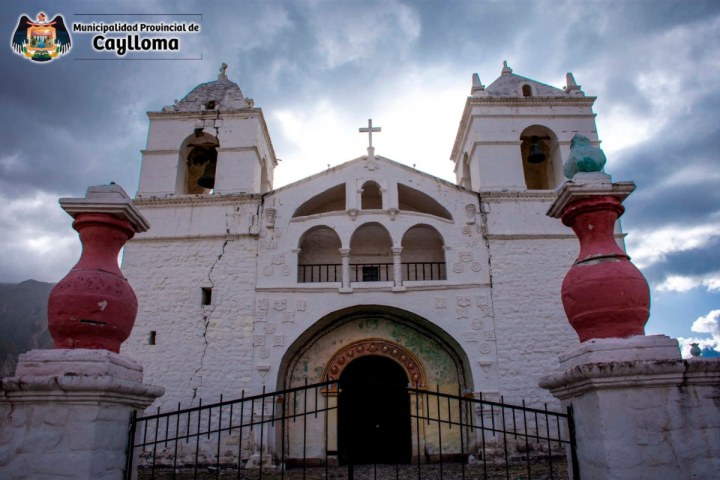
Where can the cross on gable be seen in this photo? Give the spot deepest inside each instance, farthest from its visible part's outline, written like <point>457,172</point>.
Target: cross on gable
<point>369,130</point>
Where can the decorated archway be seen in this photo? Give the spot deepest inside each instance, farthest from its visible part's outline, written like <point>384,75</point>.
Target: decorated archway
<point>381,348</point>
<point>422,352</point>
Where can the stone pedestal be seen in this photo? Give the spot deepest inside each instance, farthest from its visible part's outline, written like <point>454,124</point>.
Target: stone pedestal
<point>640,411</point>
<point>65,414</point>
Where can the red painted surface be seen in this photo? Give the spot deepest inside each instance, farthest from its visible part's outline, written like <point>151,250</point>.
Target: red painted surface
<point>94,306</point>
<point>604,294</point>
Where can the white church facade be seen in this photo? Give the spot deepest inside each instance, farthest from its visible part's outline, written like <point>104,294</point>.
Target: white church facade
<point>366,268</point>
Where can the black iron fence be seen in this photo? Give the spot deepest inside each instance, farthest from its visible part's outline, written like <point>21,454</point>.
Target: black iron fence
<point>297,433</point>
<point>371,272</point>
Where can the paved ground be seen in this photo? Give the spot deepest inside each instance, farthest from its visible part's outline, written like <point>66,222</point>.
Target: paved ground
<point>539,471</point>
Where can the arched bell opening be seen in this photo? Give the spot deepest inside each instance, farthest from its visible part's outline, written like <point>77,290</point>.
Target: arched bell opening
<point>198,163</point>
<point>541,159</point>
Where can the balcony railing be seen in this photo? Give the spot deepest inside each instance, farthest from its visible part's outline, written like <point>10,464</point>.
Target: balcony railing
<point>418,271</point>
<point>324,272</point>
<point>371,272</point>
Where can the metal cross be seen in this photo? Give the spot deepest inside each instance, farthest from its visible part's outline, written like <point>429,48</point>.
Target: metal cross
<point>369,130</point>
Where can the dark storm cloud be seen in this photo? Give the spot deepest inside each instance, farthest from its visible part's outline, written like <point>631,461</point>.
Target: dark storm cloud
<point>71,123</point>
<point>676,171</point>
<point>696,262</point>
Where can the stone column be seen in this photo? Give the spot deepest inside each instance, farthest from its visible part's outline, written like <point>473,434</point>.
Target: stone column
<point>640,411</point>
<point>397,268</point>
<point>65,413</point>
<point>345,258</point>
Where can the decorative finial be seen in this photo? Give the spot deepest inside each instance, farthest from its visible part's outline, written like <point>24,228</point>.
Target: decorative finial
<point>584,157</point>
<point>223,74</point>
<point>506,70</point>
<point>477,87</point>
<point>572,88</point>
<point>695,350</point>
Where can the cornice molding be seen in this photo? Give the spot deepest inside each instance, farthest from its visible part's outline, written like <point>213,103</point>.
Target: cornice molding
<point>197,200</point>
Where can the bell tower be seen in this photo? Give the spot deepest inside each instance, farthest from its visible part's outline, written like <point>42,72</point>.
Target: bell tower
<point>212,142</point>
<point>515,134</point>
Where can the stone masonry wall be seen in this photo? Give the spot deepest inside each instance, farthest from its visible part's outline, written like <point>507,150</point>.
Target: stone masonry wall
<point>200,351</point>
<point>531,326</point>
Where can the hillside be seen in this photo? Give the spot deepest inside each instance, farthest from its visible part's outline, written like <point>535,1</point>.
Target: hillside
<point>23,321</point>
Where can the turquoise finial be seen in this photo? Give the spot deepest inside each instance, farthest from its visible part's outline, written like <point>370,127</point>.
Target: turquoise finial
<point>584,157</point>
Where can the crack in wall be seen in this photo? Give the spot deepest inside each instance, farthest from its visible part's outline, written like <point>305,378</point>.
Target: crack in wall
<point>206,319</point>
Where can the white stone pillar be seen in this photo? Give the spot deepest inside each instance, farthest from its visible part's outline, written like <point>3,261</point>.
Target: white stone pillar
<point>397,268</point>
<point>345,258</point>
<point>640,411</point>
<point>65,414</point>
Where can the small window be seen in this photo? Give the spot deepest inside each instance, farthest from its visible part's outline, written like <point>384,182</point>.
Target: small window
<point>153,337</point>
<point>527,91</point>
<point>206,296</point>
<point>210,105</point>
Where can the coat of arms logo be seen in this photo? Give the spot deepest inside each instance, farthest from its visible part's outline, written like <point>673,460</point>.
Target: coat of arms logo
<point>41,40</point>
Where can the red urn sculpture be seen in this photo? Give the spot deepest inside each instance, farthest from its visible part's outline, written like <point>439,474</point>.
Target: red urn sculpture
<point>604,294</point>
<point>93,306</point>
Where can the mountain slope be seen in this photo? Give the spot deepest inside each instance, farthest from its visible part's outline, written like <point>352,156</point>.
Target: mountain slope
<point>23,321</point>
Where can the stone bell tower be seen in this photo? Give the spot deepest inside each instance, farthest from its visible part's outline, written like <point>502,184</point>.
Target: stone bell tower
<point>213,141</point>
<point>512,139</point>
<point>515,133</point>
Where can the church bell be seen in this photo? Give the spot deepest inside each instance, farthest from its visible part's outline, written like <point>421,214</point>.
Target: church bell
<point>536,154</point>
<point>207,180</point>
<point>205,155</point>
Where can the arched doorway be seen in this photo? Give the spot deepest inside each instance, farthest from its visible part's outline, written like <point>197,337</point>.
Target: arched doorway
<point>374,412</point>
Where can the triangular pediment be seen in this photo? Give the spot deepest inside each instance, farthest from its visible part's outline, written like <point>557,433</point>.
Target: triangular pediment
<point>328,191</point>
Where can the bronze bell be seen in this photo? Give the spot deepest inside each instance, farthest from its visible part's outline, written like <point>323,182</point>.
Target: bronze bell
<point>204,155</point>
<point>536,154</point>
<point>207,180</point>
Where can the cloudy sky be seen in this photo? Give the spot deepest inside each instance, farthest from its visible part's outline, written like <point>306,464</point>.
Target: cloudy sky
<point>320,69</point>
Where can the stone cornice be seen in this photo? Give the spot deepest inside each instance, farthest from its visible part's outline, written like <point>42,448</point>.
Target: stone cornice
<point>530,101</point>
<point>532,236</point>
<point>110,199</point>
<point>364,288</point>
<point>197,200</point>
<point>524,195</point>
<point>207,114</point>
<point>243,113</point>
<point>185,238</point>
<point>619,375</point>
<point>588,185</point>
<point>511,102</point>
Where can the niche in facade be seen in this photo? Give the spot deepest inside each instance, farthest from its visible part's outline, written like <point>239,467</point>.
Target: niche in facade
<point>413,200</point>
<point>371,198</point>
<point>331,200</point>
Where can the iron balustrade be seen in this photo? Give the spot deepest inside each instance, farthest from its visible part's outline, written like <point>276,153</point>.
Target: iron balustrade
<point>418,271</point>
<point>371,272</point>
<point>322,272</point>
<point>289,434</point>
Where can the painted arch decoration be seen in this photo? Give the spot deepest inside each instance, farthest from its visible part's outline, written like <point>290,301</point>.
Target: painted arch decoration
<point>379,347</point>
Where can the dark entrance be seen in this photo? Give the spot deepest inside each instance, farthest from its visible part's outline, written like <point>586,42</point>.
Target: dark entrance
<point>374,412</point>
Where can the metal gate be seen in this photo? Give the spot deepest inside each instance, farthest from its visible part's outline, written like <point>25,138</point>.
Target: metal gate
<point>293,434</point>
